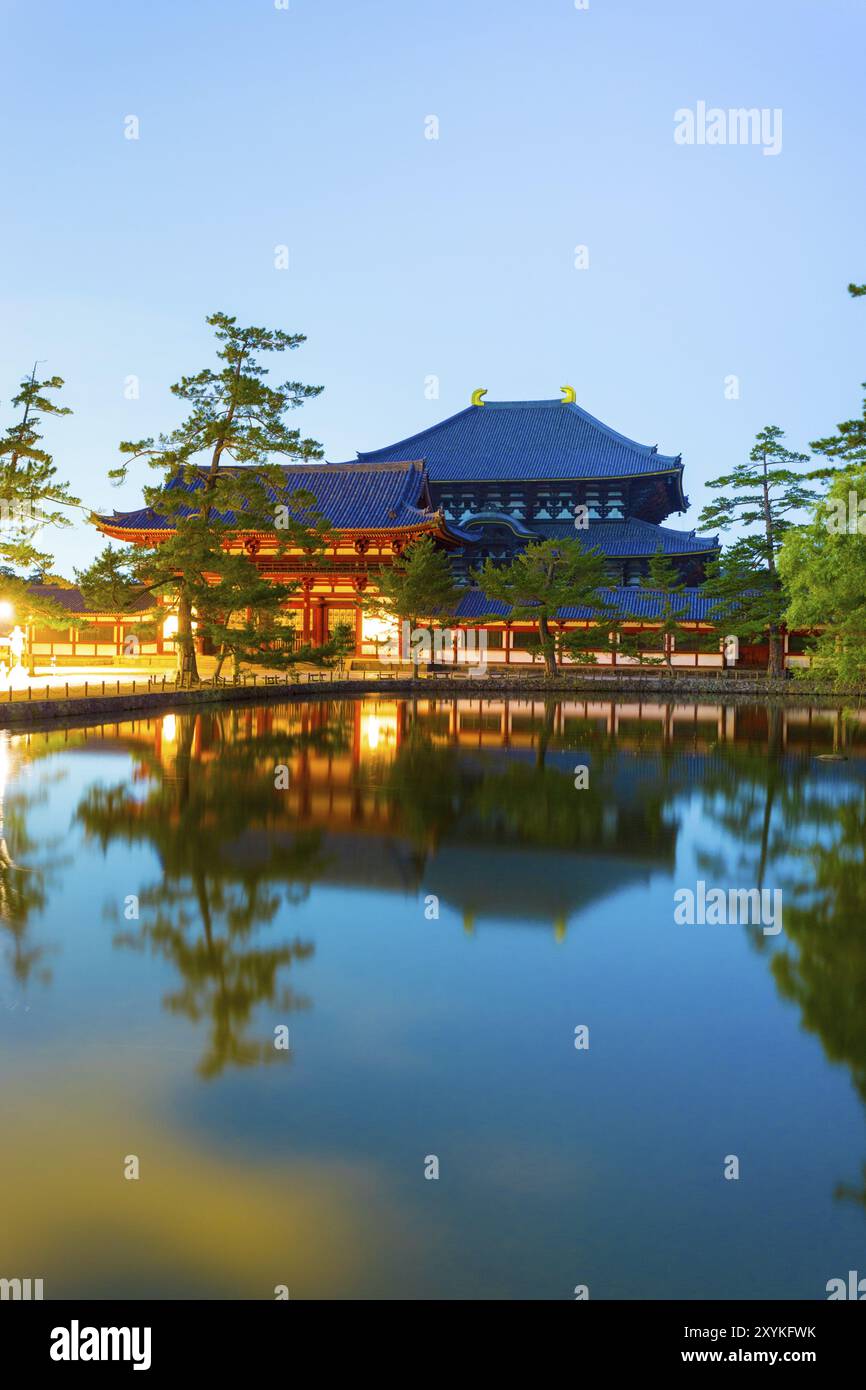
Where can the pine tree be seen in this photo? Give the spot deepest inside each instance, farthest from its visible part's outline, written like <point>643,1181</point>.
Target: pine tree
<point>823,563</point>
<point>31,497</point>
<point>243,616</point>
<point>847,447</point>
<point>418,588</point>
<point>664,578</point>
<point>543,578</point>
<point>582,643</point>
<point>206,493</point>
<point>110,584</point>
<point>764,492</point>
<point>823,566</point>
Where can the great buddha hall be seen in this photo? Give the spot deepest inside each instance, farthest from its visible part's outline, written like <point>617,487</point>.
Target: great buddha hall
<point>483,483</point>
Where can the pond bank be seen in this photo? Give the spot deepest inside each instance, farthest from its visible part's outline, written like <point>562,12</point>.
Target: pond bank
<point>23,714</point>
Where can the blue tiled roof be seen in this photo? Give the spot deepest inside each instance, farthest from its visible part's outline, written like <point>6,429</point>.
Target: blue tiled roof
<point>640,604</point>
<point>351,496</point>
<point>72,599</point>
<point>627,539</point>
<point>525,440</point>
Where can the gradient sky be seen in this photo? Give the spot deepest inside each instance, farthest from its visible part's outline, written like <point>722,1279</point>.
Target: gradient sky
<point>412,257</point>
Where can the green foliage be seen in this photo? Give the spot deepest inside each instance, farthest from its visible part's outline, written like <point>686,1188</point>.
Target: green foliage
<point>418,588</point>
<point>419,584</point>
<point>824,570</point>
<point>761,493</point>
<point>241,616</point>
<point>216,470</point>
<point>582,643</point>
<point>847,447</point>
<point>341,646</point>
<point>546,576</point>
<point>750,599</point>
<point>111,583</point>
<point>30,493</point>
<point>844,449</point>
<point>665,579</point>
<point>41,609</point>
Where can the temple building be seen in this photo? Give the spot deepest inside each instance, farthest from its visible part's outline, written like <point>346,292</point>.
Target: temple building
<point>510,472</point>
<point>483,483</point>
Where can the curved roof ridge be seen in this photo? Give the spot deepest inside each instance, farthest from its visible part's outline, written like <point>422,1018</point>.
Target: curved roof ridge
<point>360,465</point>
<point>620,438</point>
<point>670,530</point>
<point>503,440</point>
<point>557,404</point>
<point>365,454</point>
<point>372,496</point>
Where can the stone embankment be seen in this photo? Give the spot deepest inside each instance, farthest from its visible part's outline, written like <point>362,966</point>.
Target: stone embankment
<point>654,685</point>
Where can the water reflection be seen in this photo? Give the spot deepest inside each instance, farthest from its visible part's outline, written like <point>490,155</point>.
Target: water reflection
<point>27,869</point>
<point>392,793</point>
<point>472,801</point>
<point>204,800</point>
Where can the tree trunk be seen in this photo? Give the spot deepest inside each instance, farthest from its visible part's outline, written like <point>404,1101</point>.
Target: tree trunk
<point>548,647</point>
<point>775,660</point>
<point>187,664</point>
<point>546,734</point>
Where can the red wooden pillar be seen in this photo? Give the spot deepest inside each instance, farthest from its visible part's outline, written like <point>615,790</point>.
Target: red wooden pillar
<point>307,586</point>
<point>359,584</point>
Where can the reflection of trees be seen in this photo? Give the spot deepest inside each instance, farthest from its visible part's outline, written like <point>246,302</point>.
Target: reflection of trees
<point>823,966</point>
<point>24,876</point>
<point>426,787</point>
<point>439,792</point>
<point>205,932</point>
<point>807,833</point>
<point>217,826</point>
<point>758,799</point>
<point>789,822</point>
<point>230,859</point>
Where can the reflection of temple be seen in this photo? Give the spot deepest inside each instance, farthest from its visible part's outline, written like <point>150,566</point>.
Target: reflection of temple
<point>471,800</point>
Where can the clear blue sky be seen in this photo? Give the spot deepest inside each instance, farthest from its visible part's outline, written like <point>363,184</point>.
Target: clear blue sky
<point>453,257</point>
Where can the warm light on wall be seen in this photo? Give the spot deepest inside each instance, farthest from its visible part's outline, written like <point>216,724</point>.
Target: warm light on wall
<point>169,627</point>
<point>6,611</point>
<point>381,630</point>
<point>378,731</point>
